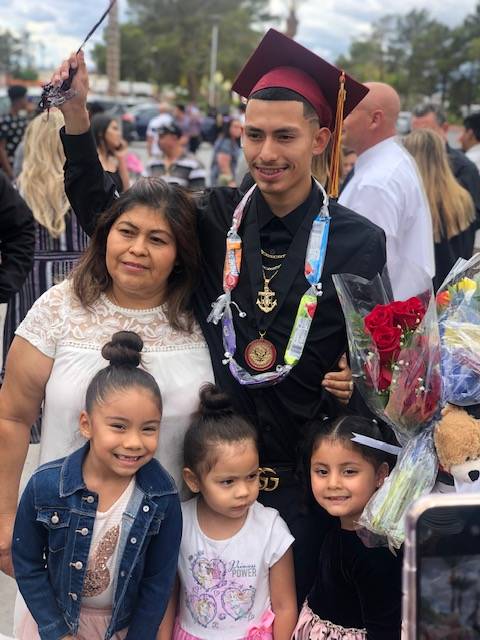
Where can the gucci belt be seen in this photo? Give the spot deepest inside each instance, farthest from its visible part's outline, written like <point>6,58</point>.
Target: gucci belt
<point>269,479</point>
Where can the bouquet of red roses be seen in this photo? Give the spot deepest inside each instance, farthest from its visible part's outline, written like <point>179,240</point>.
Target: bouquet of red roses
<point>394,352</point>
<point>395,361</point>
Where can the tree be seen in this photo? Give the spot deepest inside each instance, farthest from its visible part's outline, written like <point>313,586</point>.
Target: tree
<point>419,56</point>
<point>10,52</point>
<point>168,41</point>
<point>135,62</point>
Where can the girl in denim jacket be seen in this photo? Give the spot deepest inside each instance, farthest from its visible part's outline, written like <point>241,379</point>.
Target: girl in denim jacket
<point>97,534</point>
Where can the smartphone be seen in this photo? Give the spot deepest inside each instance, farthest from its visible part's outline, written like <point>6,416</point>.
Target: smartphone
<point>441,570</point>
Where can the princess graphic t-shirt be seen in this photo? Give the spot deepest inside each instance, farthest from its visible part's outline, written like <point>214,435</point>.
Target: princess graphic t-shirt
<point>225,583</point>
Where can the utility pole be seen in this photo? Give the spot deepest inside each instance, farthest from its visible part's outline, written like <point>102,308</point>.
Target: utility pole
<point>292,20</point>
<point>213,61</point>
<point>113,51</point>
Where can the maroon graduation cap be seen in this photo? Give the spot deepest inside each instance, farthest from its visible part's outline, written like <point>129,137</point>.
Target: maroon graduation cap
<point>279,61</point>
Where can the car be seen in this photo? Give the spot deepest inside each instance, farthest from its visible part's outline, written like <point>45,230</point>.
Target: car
<point>142,114</point>
<point>116,107</point>
<point>33,95</point>
<point>121,108</point>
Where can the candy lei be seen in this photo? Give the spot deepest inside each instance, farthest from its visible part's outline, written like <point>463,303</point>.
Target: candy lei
<point>222,307</point>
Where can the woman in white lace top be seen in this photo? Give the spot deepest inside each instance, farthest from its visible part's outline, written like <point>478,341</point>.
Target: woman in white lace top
<point>136,275</point>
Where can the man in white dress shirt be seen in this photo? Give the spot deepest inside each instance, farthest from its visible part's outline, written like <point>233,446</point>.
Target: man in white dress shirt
<point>386,188</point>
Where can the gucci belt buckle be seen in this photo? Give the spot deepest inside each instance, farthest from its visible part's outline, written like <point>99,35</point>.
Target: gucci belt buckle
<point>269,480</point>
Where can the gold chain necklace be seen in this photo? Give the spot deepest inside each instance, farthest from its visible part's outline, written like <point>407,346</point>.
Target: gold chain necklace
<point>273,256</point>
<point>276,267</point>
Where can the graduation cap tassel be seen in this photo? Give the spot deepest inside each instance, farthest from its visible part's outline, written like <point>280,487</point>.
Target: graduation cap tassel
<point>333,185</point>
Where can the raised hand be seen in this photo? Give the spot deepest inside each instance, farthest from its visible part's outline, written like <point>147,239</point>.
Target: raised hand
<point>74,109</point>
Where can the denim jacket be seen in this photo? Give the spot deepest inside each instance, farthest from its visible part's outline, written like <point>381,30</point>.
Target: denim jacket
<point>55,521</point>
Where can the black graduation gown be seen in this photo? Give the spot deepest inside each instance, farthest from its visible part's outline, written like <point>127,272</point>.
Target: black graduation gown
<point>466,173</point>
<point>355,246</point>
<point>448,251</point>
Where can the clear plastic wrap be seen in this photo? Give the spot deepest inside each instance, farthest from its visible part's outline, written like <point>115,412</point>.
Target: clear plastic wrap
<point>395,360</point>
<point>458,304</point>
<point>412,477</point>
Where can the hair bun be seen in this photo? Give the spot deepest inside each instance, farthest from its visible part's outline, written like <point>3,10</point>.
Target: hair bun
<point>124,349</point>
<point>213,401</point>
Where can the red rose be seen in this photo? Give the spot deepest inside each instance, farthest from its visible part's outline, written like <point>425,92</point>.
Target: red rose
<point>408,314</point>
<point>387,340</point>
<point>381,379</point>
<point>432,397</point>
<point>380,316</point>
<point>384,379</point>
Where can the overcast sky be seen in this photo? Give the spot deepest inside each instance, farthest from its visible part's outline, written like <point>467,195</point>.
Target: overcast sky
<point>327,26</point>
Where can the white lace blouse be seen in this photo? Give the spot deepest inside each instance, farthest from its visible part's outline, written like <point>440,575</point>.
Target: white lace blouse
<point>59,327</point>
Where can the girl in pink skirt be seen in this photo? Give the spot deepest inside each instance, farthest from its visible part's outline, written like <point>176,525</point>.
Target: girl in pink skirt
<point>357,592</point>
<point>235,568</point>
<point>97,533</point>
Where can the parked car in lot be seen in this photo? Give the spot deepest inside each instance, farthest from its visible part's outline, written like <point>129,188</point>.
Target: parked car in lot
<point>131,113</point>
<point>141,115</point>
<point>33,95</point>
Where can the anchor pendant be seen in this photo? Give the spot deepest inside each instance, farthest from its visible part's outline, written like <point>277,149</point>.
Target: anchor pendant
<point>266,299</point>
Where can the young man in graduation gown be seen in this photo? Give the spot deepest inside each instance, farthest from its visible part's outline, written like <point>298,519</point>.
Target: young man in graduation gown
<point>286,341</point>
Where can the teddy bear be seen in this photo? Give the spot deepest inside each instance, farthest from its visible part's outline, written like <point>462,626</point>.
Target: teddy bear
<point>457,440</point>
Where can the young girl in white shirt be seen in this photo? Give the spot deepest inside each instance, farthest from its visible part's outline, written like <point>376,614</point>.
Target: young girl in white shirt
<point>235,571</point>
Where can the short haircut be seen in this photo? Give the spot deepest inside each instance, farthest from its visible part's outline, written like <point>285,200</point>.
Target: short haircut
<point>16,92</point>
<point>472,122</point>
<point>424,109</point>
<point>279,93</point>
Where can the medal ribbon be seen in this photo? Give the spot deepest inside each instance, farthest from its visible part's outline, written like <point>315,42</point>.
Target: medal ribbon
<point>314,261</point>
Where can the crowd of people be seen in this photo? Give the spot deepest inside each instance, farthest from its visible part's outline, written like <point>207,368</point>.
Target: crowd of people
<point>207,483</point>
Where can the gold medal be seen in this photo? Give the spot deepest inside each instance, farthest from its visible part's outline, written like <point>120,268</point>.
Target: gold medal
<point>260,354</point>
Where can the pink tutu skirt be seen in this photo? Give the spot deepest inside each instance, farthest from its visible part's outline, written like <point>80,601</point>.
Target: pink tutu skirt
<point>93,625</point>
<point>263,631</point>
<point>311,627</point>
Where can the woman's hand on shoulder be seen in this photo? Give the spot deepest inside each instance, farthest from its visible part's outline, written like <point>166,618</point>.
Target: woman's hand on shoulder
<point>75,108</point>
<point>340,383</point>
